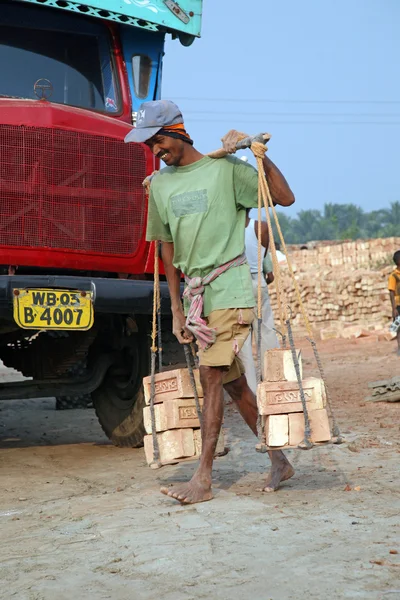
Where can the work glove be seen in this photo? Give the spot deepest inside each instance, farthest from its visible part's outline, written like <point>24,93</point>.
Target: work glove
<point>230,140</point>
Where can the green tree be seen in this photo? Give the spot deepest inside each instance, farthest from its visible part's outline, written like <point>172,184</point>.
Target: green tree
<point>339,222</point>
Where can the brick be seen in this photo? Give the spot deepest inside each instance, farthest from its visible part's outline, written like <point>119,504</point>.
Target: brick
<point>319,424</point>
<point>174,444</point>
<point>296,429</point>
<point>353,331</point>
<point>288,408</point>
<point>159,413</point>
<point>182,412</point>
<point>171,384</point>
<point>387,337</point>
<point>278,365</point>
<point>329,334</point>
<point>283,397</point>
<point>179,413</point>
<point>197,442</point>
<point>277,430</point>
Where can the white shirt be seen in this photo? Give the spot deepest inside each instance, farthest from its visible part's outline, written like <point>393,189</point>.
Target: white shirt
<point>251,246</point>
<point>281,258</point>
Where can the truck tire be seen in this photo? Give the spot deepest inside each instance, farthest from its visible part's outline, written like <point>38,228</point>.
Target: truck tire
<point>172,350</point>
<point>119,401</point>
<point>121,419</point>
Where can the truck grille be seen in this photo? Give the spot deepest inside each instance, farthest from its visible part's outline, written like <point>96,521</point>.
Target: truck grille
<point>70,191</point>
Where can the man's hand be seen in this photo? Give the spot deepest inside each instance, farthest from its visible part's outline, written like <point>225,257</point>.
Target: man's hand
<point>230,140</point>
<point>395,314</point>
<point>179,330</point>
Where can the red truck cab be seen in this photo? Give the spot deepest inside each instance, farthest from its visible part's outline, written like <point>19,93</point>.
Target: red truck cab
<point>75,295</point>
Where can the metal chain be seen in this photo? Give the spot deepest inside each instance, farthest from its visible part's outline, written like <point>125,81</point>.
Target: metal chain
<point>188,356</point>
<point>306,444</point>
<point>335,427</point>
<point>283,336</point>
<point>194,355</point>
<point>156,464</point>
<point>261,446</point>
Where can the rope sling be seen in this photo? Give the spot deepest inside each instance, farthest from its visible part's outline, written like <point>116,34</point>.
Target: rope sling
<point>257,144</point>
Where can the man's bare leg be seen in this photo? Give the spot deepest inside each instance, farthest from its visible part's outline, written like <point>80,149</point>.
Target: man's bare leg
<point>199,487</point>
<point>241,394</point>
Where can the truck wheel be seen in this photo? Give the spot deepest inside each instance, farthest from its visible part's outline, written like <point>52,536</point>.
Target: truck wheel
<point>119,400</point>
<point>120,418</point>
<point>172,353</point>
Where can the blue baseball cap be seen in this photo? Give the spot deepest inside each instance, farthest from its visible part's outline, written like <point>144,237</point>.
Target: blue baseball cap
<point>153,116</point>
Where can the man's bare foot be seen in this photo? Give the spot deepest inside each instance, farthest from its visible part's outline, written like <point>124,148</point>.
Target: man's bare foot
<point>277,475</point>
<point>197,490</point>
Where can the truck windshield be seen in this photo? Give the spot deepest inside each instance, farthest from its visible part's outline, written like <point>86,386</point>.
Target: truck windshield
<point>70,68</point>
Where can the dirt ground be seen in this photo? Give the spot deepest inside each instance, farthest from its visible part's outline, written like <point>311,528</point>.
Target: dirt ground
<point>81,519</point>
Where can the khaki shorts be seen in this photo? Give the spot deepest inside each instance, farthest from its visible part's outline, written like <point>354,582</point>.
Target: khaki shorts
<point>233,327</point>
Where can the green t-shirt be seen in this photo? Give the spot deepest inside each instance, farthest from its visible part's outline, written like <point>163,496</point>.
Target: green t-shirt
<point>201,209</point>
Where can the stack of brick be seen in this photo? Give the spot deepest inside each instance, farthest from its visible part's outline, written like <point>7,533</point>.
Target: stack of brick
<point>333,286</point>
<point>279,401</point>
<point>176,419</point>
<point>367,254</point>
<point>346,297</point>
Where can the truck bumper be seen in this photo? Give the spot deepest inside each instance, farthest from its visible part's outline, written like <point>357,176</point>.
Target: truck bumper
<point>112,296</point>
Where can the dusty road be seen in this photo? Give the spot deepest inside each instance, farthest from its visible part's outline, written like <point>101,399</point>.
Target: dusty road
<point>81,519</point>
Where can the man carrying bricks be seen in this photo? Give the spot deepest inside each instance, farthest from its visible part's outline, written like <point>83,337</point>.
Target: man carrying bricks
<point>197,209</point>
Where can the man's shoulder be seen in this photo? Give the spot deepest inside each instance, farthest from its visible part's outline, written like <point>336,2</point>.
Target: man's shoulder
<point>232,160</point>
<point>238,162</point>
<point>164,171</point>
<point>157,177</point>
<point>393,279</point>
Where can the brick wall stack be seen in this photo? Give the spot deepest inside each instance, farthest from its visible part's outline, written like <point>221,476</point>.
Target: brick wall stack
<point>341,283</point>
<point>368,254</point>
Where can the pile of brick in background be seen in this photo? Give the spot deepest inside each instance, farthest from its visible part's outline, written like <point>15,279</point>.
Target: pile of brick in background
<point>177,422</point>
<point>342,283</point>
<point>368,254</point>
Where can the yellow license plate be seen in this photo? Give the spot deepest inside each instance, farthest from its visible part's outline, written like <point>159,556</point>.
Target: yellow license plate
<point>53,309</point>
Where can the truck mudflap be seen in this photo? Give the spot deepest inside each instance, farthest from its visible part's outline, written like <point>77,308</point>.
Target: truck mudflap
<point>110,296</point>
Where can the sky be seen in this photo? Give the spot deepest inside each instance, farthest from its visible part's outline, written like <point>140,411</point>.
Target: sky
<point>321,76</point>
